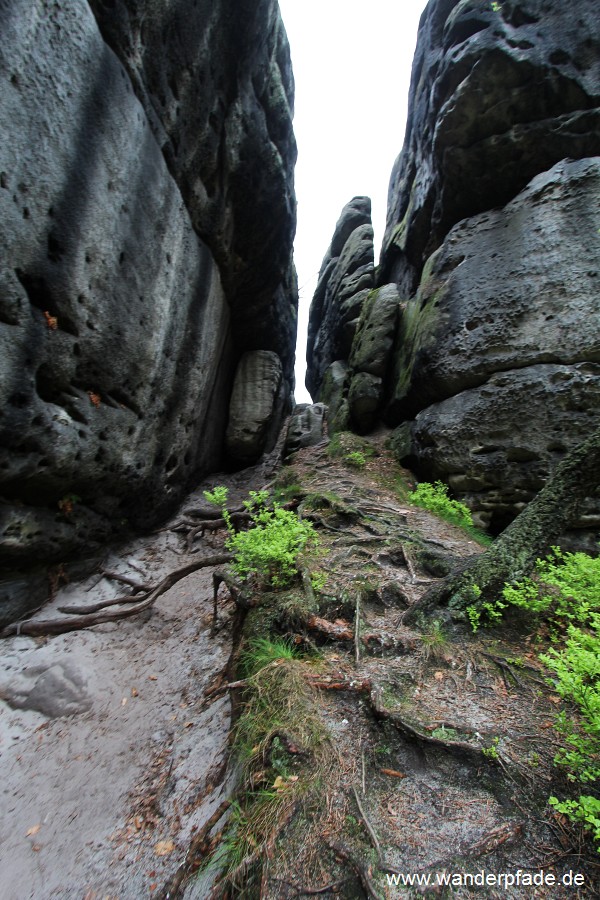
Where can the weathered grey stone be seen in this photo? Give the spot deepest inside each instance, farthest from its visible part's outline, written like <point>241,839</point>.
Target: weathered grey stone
<point>255,405</point>
<point>345,278</point>
<point>332,388</point>
<point>113,324</point>
<point>306,427</point>
<point>117,345</point>
<point>364,400</point>
<point>507,289</point>
<point>372,346</point>
<point>216,83</point>
<point>55,690</point>
<point>495,444</point>
<point>497,96</point>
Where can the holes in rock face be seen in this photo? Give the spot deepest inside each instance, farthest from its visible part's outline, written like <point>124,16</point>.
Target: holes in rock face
<point>559,58</point>
<point>462,29</point>
<point>26,213</point>
<point>14,79</point>
<point>45,385</point>
<point>518,16</point>
<point>56,250</point>
<point>19,399</point>
<point>121,258</point>
<point>4,180</point>
<point>187,458</point>
<point>76,350</point>
<point>471,325</point>
<point>520,45</point>
<point>171,463</point>
<point>51,212</point>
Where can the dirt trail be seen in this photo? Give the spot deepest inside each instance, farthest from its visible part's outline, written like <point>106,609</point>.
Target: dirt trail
<point>113,745</point>
<point>111,756</point>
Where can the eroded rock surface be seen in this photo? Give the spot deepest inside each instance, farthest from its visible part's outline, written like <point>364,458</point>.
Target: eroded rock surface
<point>147,203</point>
<point>345,278</point>
<point>498,95</point>
<point>491,372</point>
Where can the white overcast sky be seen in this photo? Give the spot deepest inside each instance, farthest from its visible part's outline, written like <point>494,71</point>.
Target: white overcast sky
<point>352,61</point>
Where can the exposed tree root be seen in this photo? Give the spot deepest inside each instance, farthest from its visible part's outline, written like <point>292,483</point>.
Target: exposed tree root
<point>135,605</point>
<point>362,870</point>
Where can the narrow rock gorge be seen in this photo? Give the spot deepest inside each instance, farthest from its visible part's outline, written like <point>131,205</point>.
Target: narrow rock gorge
<point>476,337</point>
<point>234,661</point>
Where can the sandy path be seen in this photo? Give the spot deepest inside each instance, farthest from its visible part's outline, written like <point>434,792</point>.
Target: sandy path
<point>108,751</point>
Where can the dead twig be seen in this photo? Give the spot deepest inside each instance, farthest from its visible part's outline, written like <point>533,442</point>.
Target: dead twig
<point>368,826</point>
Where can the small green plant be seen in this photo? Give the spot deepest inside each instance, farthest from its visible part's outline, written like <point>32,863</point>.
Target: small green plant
<point>565,586</point>
<point>585,810</point>
<point>434,497</point>
<point>491,752</point>
<point>445,734</point>
<point>434,642</point>
<point>270,550</point>
<point>565,589</point>
<point>356,459</point>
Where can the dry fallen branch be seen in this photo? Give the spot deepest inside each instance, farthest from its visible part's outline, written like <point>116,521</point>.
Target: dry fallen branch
<point>35,627</point>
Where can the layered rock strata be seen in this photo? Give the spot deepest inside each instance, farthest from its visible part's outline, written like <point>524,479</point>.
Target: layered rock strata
<point>147,205</point>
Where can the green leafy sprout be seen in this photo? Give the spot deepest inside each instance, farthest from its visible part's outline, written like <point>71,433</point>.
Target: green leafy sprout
<point>270,550</point>
<point>565,589</point>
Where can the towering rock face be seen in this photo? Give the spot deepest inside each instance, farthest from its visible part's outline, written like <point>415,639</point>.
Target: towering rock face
<point>345,278</point>
<point>493,244</point>
<point>499,93</point>
<point>147,206</point>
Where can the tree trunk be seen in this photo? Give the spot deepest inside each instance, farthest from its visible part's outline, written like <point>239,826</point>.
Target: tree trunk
<point>528,537</point>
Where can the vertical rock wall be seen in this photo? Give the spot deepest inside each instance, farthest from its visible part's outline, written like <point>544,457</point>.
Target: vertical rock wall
<point>492,242</point>
<point>147,207</point>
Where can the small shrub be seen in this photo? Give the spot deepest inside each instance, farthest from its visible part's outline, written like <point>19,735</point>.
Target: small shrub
<point>356,459</point>
<point>566,588</point>
<point>270,549</point>
<point>434,497</point>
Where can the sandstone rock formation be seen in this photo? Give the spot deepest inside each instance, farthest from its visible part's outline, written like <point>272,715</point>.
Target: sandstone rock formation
<point>147,204</point>
<point>345,278</point>
<point>492,242</point>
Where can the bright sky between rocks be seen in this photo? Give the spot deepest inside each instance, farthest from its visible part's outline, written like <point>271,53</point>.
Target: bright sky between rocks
<point>352,62</point>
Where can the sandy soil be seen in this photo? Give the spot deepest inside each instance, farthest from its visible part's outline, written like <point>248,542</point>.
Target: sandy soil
<point>111,757</point>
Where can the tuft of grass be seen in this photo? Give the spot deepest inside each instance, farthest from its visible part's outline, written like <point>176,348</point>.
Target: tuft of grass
<point>434,642</point>
<point>282,747</point>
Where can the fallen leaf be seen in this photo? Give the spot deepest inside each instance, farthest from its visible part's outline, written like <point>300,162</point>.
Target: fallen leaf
<point>124,701</point>
<point>152,677</point>
<point>393,772</point>
<point>36,848</point>
<point>554,699</point>
<point>439,676</point>
<point>188,724</point>
<point>153,886</point>
<point>33,830</point>
<point>134,692</point>
<point>163,848</point>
